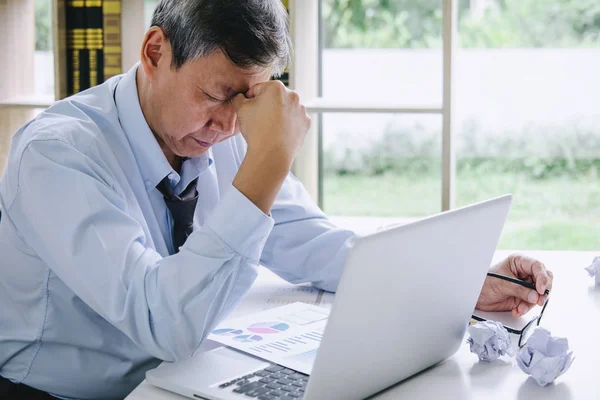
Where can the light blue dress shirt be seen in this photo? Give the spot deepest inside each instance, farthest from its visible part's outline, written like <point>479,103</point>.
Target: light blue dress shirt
<point>90,294</point>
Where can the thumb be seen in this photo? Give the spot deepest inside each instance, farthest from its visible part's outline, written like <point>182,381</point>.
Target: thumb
<point>520,292</point>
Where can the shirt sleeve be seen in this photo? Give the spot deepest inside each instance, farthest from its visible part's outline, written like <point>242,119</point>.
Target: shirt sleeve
<point>75,217</point>
<point>304,245</point>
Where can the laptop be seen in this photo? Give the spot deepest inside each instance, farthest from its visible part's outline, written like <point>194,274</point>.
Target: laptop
<point>409,289</point>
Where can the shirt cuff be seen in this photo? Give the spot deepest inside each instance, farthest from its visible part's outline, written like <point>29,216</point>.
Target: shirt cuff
<point>240,224</point>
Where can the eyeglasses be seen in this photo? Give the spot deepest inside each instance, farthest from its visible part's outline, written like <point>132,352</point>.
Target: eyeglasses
<point>528,329</point>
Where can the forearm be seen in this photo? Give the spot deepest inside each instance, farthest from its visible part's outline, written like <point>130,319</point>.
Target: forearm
<point>260,177</point>
<point>186,296</point>
<point>190,292</point>
<point>274,124</point>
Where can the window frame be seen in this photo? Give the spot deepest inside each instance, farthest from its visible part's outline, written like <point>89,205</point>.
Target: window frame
<point>304,13</point>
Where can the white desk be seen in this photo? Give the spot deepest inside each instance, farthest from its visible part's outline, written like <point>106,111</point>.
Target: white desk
<point>573,312</point>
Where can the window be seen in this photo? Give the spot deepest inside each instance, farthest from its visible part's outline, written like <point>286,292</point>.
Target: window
<point>387,55</point>
<point>528,118</point>
<point>382,165</point>
<point>44,54</point>
<point>525,118</point>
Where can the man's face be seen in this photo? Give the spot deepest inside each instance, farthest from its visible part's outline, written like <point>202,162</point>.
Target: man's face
<point>191,107</point>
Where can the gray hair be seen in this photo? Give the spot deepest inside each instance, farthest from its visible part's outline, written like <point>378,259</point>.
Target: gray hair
<point>249,32</point>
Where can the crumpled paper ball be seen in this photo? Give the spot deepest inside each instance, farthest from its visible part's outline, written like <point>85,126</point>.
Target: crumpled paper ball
<point>594,270</point>
<point>544,357</point>
<point>489,340</point>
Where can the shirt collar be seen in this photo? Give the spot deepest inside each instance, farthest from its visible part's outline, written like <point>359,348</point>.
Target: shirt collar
<point>149,156</point>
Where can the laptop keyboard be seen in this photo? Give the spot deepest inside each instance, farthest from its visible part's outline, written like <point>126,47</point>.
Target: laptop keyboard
<point>272,383</point>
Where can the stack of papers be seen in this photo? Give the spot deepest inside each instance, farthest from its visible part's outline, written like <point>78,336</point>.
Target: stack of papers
<point>270,291</point>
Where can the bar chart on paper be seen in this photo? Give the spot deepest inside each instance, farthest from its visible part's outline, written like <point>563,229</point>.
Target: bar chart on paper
<point>288,335</point>
<point>291,343</point>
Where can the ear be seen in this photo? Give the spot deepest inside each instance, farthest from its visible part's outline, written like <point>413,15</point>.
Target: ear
<point>156,51</point>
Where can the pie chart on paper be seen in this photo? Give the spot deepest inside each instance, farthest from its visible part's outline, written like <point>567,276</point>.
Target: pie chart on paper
<point>268,328</point>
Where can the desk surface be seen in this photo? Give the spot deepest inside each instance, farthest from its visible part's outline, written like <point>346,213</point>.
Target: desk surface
<point>574,312</point>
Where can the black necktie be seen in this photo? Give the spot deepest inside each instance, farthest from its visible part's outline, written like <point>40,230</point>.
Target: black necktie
<point>182,209</point>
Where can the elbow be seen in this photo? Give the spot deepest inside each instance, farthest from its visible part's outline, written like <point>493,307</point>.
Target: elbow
<point>173,341</point>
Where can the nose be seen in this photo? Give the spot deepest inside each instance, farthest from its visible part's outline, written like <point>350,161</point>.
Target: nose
<point>224,119</point>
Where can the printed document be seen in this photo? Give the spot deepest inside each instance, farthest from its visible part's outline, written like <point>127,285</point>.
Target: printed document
<point>289,335</point>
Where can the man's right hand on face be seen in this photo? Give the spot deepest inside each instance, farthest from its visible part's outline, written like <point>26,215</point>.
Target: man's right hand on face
<point>272,120</point>
<point>274,124</point>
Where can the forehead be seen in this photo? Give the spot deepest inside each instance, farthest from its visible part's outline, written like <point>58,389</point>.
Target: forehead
<point>216,72</point>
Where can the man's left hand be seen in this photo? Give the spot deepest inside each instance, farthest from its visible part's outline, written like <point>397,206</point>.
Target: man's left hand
<point>501,295</point>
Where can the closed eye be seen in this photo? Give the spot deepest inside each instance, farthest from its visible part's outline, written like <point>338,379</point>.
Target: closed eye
<point>212,98</point>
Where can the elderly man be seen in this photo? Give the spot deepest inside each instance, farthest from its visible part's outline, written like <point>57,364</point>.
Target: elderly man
<point>135,215</point>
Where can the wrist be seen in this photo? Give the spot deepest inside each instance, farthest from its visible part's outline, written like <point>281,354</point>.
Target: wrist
<point>274,157</point>
<point>261,175</point>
